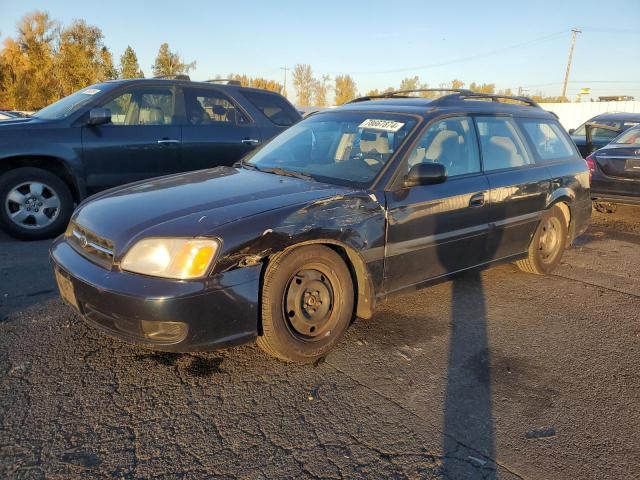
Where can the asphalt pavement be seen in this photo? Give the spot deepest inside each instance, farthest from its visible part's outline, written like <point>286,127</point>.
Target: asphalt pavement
<point>497,374</point>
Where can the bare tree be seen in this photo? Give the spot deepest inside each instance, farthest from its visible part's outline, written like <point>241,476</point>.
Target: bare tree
<point>303,83</point>
<point>320,91</point>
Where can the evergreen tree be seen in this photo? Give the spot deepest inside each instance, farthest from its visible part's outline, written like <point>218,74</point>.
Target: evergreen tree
<point>129,67</point>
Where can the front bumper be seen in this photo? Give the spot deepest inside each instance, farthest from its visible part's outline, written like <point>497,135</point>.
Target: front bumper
<point>165,314</point>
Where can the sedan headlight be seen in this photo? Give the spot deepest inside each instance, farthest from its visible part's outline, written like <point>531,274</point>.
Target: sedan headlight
<point>180,258</point>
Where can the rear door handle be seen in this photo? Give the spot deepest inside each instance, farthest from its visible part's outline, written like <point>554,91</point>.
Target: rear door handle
<point>168,141</point>
<point>477,200</point>
<point>250,141</point>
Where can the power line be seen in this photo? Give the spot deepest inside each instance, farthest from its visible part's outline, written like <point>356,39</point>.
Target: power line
<point>516,46</point>
<point>620,31</point>
<point>582,82</point>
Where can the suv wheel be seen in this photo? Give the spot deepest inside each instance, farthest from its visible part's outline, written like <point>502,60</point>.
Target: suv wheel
<point>34,203</point>
<point>547,245</point>
<point>307,303</point>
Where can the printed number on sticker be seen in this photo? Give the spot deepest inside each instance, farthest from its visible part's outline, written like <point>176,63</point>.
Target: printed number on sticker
<point>379,124</point>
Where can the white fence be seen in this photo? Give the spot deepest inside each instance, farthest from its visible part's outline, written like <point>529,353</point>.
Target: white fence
<point>572,115</point>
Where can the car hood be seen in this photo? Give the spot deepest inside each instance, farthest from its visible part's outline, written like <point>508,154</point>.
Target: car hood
<point>192,204</point>
<point>22,122</point>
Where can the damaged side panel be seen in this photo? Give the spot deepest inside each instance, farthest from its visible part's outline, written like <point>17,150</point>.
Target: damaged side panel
<point>353,222</point>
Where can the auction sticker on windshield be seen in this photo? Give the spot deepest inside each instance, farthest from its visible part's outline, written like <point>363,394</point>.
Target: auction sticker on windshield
<point>379,124</point>
<point>90,91</point>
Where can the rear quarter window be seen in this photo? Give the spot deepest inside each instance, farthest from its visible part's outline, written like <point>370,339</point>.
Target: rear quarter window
<point>548,140</point>
<point>274,107</point>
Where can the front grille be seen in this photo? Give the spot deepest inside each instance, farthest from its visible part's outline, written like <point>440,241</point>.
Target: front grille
<point>97,249</point>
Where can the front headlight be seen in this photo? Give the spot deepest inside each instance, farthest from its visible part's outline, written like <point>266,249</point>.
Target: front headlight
<point>180,258</point>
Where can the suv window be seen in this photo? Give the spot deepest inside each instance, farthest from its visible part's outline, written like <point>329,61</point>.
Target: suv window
<point>143,106</point>
<point>501,145</point>
<point>548,140</point>
<point>274,107</point>
<point>450,142</point>
<point>206,107</point>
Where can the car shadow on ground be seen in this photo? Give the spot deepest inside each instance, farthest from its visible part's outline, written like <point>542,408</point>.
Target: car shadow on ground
<point>468,438</point>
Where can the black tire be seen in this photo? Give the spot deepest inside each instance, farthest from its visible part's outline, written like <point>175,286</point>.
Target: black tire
<point>28,229</point>
<point>295,282</point>
<point>548,243</point>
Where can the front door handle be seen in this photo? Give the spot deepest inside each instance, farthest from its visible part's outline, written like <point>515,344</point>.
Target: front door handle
<point>250,141</point>
<point>168,141</point>
<point>477,200</point>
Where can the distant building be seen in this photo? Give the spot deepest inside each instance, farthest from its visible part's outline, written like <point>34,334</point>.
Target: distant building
<point>616,98</point>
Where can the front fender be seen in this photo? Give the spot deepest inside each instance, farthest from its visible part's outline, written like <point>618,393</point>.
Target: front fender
<point>353,223</point>
<point>62,145</point>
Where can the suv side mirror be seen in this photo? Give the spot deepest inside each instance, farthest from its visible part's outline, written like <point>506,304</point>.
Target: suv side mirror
<point>426,173</point>
<point>99,116</point>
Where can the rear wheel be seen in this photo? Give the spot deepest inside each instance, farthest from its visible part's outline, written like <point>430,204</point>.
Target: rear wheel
<point>307,303</point>
<point>547,245</point>
<point>34,203</point>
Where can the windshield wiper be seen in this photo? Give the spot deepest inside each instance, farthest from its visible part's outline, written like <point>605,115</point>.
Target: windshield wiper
<point>284,173</point>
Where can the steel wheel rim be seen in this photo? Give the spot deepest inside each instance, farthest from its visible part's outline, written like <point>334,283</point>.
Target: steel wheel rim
<point>550,239</point>
<point>32,205</point>
<point>308,304</point>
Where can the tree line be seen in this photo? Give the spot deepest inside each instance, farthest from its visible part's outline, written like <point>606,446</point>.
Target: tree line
<point>46,61</point>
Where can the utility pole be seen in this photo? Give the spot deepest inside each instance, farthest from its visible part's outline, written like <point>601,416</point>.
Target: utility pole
<point>286,69</point>
<point>574,32</point>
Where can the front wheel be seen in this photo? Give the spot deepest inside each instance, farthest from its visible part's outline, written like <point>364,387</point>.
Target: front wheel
<point>34,203</point>
<point>547,245</point>
<point>307,303</point>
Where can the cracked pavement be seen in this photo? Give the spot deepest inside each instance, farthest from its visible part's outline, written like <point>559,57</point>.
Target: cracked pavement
<point>497,374</point>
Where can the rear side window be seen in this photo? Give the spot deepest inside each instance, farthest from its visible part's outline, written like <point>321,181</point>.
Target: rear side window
<point>501,144</point>
<point>208,107</point>
<point>548,140</point>
<point>274,107</point>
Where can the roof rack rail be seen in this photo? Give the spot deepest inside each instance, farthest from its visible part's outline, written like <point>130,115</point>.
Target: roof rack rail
<point>229,81</point>
<point>488,96</point>
<point>178,76</point>
<point>456,95</point>
<point>403,93</point>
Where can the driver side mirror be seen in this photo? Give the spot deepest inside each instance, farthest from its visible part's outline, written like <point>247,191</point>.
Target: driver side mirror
<point>99,116</point>
<point>426,173</point>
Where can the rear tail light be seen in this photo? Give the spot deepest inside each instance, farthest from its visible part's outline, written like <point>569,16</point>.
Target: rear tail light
<point>591,163</point>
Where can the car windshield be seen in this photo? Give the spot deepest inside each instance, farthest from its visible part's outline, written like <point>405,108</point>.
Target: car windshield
<point>67,105</point>
<point>630,137</point>
<point>345,148</point>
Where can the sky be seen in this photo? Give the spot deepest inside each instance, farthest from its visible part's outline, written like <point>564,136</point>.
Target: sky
<point>510,43</point>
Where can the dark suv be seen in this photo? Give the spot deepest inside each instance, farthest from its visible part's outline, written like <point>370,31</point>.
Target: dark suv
<point>333,215</point>
<point>123,131</point>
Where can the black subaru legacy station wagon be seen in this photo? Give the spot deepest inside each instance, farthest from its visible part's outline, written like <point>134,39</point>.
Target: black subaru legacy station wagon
<point>341,210</point>
<point>123,131</point>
